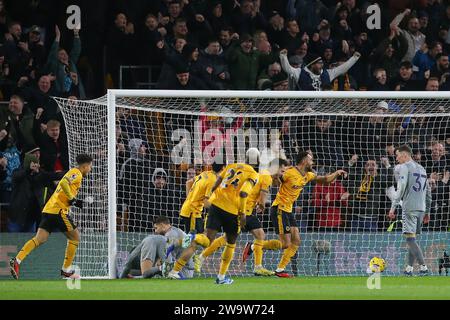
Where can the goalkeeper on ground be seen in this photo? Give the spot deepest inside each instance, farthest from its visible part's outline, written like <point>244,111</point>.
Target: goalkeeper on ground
<point>157,252</point>
<point>55,217</point>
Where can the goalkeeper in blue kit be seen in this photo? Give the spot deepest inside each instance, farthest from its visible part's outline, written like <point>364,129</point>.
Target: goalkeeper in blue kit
<point>414,195</point>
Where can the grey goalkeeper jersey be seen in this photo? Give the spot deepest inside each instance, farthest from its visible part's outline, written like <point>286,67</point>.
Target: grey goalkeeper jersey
<point>175,236</point>
<point>413,188</point>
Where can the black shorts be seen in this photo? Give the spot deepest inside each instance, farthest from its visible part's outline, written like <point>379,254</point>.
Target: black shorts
<point>193,224</point>
<point>282,221</point>
<point>252,223</point>
<point>220,220</point>
<point>61,222</point>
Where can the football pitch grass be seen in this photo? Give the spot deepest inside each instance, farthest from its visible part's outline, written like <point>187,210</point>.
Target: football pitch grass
<point>311,288</point>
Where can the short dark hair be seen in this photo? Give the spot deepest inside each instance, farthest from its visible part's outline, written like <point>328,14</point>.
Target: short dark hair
<point>406,64</point>
<point>404,148</point>
<point>83,158</point>
<point>179,20</point>
<point>161,219</point>
<point>17,96</point>
<point>301,156</point>
<point>440,55</point>
<point>217,167</point>
<point>433,79</point>
<point>212,40</point>
<point>226,28</point>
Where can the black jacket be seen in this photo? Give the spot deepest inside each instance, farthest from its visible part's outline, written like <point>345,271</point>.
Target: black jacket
<point>30,192</point>
<point>49,152</point>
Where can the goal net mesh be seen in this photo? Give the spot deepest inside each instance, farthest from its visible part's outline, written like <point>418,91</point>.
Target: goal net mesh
<point>163,142</point>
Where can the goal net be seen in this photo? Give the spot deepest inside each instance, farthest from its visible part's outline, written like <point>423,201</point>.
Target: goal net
<point>147,144</point>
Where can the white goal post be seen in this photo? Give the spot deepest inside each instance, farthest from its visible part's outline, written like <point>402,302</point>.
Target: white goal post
<point>335,126</point>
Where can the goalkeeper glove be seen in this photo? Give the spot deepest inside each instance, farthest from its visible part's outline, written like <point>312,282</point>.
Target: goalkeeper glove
<point>76,202</point>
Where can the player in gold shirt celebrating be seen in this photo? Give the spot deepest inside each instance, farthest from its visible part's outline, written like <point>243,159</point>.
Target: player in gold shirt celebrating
<point>199,191</point>
<point>255,205</point>
<point>55,216</point>
<point>227,213</point>
<point>283,220</point>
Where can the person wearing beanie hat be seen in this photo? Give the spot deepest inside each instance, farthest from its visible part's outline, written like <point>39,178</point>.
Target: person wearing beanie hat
<point>406,80</point>
<point>185,80</point>
<point>264,79</point>
<point>215,68</point>
<point>295,61</point>
<point>134,180</point>
<point>244,63</point>
<point>313,76</point>
<point>161,197</point>
<point>280,82</point>
<point>36,48</point>
<point>190,52</point>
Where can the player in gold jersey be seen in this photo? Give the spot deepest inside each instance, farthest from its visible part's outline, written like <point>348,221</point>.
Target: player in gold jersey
<point>283,220</point>
<point>227,213</point>
<point>255,205</point>
<point>55,216</point>
<point>199,192</point>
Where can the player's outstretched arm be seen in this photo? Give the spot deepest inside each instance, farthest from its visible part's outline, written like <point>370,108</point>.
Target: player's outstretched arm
<point>330,177</point>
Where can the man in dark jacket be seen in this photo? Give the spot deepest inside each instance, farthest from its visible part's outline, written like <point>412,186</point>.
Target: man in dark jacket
<point>16,49</point>
<point>134,181</point>
<point>186,81</point>
<point>246,63</point>
<point>405,80</point>
<point>162,198</point>
<point>54,150</point>
<point>36,49</point>
<point>17,122</point>
<point>121,43</point>
<point>40,101</point>
<point>31,189</point>
<point>212,61</point>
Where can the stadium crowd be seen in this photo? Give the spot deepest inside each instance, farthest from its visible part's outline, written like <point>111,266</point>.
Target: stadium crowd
<point>225,44</point>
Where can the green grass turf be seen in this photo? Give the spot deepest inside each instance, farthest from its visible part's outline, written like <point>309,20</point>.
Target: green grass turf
<point>242,288</point>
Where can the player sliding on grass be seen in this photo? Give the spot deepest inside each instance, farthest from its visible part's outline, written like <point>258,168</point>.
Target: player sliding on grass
<point>227,213</point>
<point>157,251</point>
<point>255,205</point>
<point>283,220</point>
<point>55,216</point>
<point>414,191</point>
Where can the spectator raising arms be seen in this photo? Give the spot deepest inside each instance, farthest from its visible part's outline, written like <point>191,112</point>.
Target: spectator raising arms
<point>313,76</point>
<point>64,68</point>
